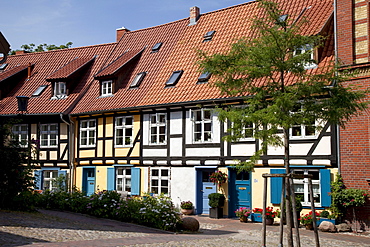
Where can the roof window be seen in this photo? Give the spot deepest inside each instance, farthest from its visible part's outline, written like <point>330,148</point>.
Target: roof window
<point>208,36</point>
<point>138,79</point>
<point>156,47</point>
<point>204,77</point>
<point>3,66</point>
<point>39,90</point>
<point>175,77</point>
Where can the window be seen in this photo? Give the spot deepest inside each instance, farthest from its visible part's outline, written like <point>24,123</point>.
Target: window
<point>49,177</point>
<point>202,125</point>
<point>247,130</point>
<point>106,88</point>
<point>204,77</point>
<point>208,36</point>
<point>87,133</point>
<point>138,79</point>
<point>48,135</point>
<point>123,179</point>
<point>304,49</point>
<point>158,128</point>
<point>3,66</point>
<point>307,130</point>
<point>175,77</point>
<point>60,90</point>
<point>20,134</point>
<point>159,180</point>
<point>301,187</point>
<point>156,47</point>
<point>124,131</point>
<point>39,90</point>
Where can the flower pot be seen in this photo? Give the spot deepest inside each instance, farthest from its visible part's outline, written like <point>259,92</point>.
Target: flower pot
<point>309,226</point>
<point>269,221</point>
<point>256,217</point>
<point>216,213</point>
<point>243,218</point>
<point>186,211</point>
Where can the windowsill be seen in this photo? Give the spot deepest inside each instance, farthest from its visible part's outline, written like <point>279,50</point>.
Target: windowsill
<point>49,146</point>
<point>124,146</point>
<point>153,144</point>
<point>106,96</point>
<point>302,137</point>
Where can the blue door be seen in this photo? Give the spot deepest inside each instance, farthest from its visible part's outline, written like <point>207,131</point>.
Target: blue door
<point>239,191</point>
<point>204,188</point>
<point>88,185</point>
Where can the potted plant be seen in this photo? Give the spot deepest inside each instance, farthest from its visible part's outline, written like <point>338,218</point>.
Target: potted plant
<point>307,220</point>
<point>270,215</point>
<point>257,215</point>
<point>326,216</point>
<point>243,213</point>
<point>216,202</point>
<point>186,207</point>
<point>218,177</point>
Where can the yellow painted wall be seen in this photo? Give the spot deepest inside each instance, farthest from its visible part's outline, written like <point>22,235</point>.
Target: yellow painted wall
<point>109,127</point>
<point>101,178</point>
<point>63,131</point>
<point>87,153</point>
<point>78,178</point>
<point>224,190</point>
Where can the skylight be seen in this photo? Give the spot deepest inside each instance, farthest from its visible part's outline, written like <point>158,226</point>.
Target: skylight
<point>208,36</point>
<point>39,90</point>
<point>175,77</point>
<point>204,77</point>
<point>156,47</point>
<point>3,66</point>
<point>138,79</point>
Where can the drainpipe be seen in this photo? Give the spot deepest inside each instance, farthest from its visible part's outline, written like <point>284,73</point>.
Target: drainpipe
<point>336,63</point>
<point>70,150</point>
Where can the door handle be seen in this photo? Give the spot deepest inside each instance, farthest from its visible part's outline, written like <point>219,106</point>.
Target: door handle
<point>201,190</point>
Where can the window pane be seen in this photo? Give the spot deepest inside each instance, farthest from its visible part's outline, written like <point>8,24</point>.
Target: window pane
<point>162,138</point>
<point>154,182</point>
<point>162,118</point>
<point>153,130</point>
<point>207,126</point>
<point>164,173</point>
<point>296,131</point>
<point>155,172</point>
<point>310,130</point>
<point>164,183</point>
<point>153,139</point>
<point>207,114</point>
<point>197,115</point>
<point>128,132</point>
<point>164,190</point>
<point>119,121</point>
<point>128,121</point>
<point>197,137</point>
<point>119,171</point>
<point>153,119</point>
<point>128,172</point>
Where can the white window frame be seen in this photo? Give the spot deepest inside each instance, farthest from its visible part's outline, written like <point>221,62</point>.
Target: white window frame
<point>124,180</point>
<point>202,122</point>
<point>304,49</point>
<point>50,180</point>
<point>20,134</point>
<point>49,135</point>
<point>160,178</point>
<point>303,187</point>
<point>60,89</point>
<point>155,128</point>
<point>106,88</point>
<point>90,133</point>
<point>303,128</point>
<point>124,127</point>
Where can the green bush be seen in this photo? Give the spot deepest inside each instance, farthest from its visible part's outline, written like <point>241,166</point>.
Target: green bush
<point>216,200</point>
<point>324,214</point>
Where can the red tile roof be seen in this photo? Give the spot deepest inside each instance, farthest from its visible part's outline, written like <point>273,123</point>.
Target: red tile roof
<point>11,72</point>
<point>70,68</point>
<point>178,52</point>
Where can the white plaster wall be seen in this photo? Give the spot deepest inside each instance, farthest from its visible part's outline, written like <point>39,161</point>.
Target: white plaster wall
<point>176,123</point>
<point>154,152</point>
<point>243,149</point>
<point>182,184</point>
<point>203,152</point>
<point>175,147</point>
<point>323,148</point>
<point>300,149</point>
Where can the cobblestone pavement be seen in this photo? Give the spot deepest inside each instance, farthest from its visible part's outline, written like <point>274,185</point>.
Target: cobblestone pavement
<point>54,228</point>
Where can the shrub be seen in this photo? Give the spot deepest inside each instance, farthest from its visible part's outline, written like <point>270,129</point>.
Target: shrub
<point>216,200</point>
<point>186,205</point>
<point>324,214</point>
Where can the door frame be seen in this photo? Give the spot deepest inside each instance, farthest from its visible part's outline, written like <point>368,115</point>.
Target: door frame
<point>199,186</point>
<point>231,189</point>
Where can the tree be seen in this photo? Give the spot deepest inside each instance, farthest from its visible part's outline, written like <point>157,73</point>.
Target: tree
<point>42,47</point>
<point>16,177</point>
<point>270,71</point>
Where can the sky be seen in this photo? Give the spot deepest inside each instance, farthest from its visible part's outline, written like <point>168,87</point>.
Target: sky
<point>90,22</point>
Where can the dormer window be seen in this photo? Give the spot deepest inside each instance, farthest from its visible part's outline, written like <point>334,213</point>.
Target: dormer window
<point>138,79</point>
<point>208,36</point>
<point>204,77</point>
<point>3,66</point>
<point>304,49</point>
<point>106,88</point>
<point>60,90</point>
<point>156,47</point>
<point>175,77</point>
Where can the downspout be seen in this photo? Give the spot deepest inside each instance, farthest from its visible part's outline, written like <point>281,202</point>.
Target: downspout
<point>70,150</point>
<point>336,64</point>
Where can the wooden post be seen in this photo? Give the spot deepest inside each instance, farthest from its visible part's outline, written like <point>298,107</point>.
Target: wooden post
<point>313,212</point>
<point>295,216</point>
<point>282,216</point>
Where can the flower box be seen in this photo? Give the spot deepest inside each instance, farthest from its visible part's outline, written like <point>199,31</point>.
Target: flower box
<point>256,217</point>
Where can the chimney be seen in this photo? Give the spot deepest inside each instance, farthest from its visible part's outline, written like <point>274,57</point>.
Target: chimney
<point>20,52</point>
<point>194,15</point>
<point>120,32</point>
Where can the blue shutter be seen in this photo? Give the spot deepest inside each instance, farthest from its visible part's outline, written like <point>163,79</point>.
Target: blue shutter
<point>38,179</point>
<point>110,178</point>
<point>135,181</point>
<point>325,188</point>
<point>276,186</point>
